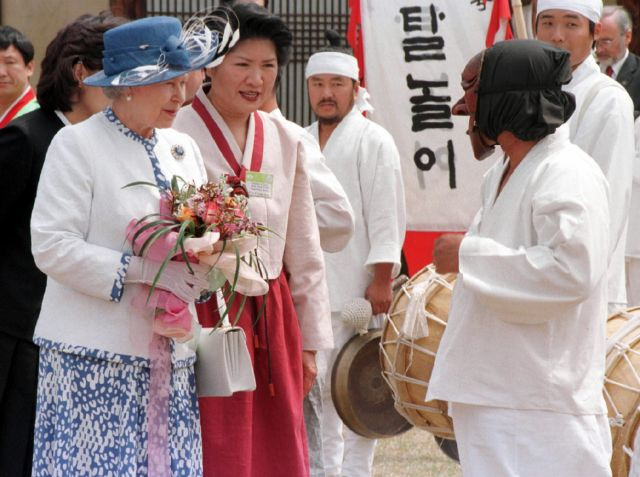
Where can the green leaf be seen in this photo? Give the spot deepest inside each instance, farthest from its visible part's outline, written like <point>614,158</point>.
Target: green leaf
<point>155,236</point>
<point>216,279</point>
<point>146,227</point>
<point>144,183</point>
<point>240,308</point>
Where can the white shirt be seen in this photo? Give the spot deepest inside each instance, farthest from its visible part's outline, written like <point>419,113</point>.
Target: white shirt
<point>364,158</point>
<point>633,234</point>
<point>333,211</point>
<point>605,132</point>
<point>526,326</point>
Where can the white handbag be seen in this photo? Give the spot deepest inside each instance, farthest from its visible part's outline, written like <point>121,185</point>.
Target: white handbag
<point>223,364</point>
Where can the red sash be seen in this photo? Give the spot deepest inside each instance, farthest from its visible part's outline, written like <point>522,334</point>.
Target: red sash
<point>15,109</point>
<point>218,137</point>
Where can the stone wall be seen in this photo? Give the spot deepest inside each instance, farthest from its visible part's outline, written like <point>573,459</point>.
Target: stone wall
<point>40,20</point>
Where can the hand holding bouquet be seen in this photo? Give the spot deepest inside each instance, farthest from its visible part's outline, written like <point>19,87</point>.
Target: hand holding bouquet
<point>207,225</point>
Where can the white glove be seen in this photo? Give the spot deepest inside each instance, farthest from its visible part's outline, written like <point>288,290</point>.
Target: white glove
<point>175,278</point>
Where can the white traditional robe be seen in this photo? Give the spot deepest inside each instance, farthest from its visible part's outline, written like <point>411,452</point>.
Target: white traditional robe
<point>364,158</point>
<point>333,211</point>
<point>289,213</point>
<point>604,130</point>
<point>366,161</point>
<point>526,329</point>
<point>633,234</point>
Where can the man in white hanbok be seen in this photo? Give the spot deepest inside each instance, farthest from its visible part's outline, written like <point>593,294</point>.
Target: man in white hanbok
<point>522,359</point>
<point>633,242</point>
<point>602,124</point>
<point>364,158</point>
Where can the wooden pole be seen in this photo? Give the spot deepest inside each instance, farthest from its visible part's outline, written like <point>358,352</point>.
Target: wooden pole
<point>518,20</point>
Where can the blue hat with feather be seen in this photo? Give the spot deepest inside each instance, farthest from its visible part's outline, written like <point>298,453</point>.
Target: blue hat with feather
<point>156,49</point>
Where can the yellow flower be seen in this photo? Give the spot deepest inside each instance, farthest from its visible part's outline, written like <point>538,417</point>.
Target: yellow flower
<point>184,213</point>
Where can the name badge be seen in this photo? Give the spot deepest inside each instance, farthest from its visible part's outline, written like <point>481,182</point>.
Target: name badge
<point>259,184</point>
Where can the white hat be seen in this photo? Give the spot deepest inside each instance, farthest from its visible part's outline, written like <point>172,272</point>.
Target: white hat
<point>341,64</point>
<point>332,62</point>
<point>591,9</point>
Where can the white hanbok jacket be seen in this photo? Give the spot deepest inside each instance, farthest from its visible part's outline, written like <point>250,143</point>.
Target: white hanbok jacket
<point>633,234</point>
<point>602,126</point>
<point>364,158</point>
<point>289,213</point>
<point>333,211</point>
<point>526,327</point>
<point>78,226</point>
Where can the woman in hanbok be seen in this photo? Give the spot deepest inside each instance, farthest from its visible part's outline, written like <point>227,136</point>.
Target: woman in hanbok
<point>261,433</point>
<point>116,397</point>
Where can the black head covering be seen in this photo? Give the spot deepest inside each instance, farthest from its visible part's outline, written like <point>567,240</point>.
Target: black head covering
<point>520,90</point>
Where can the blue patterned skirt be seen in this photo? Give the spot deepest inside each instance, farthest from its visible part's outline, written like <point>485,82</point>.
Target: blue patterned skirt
<point>91,417</point>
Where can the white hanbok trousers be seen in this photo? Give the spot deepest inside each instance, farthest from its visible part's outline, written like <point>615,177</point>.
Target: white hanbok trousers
<point>346,454</point>
<point>499,442</point>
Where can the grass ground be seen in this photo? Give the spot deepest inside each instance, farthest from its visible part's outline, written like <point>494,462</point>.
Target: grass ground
<point>413,454</point>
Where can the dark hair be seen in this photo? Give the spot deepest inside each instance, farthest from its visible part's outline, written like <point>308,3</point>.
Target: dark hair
<point>334,43</point>
<point>79,41</point>
<point>9,36</point>
<point>335,46</point>
<point>228,3</point>
<point>258,22</point>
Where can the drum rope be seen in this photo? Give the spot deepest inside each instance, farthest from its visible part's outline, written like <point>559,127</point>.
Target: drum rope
<point>618,420</point>
<point>399,346</point>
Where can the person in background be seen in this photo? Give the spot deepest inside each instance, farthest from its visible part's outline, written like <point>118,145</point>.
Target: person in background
<point>74,54</point>
<point>612,51</point>
<point>103,407</point>
<point>364,158</point>
<point>16,67</point>
<point>261,433</point>
<point>521,362</point>
<point>602,125</point>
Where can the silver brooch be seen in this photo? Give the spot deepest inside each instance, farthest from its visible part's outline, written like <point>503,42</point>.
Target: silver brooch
<point>177,151</point>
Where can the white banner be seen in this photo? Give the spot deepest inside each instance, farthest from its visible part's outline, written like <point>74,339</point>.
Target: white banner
<point>415,51</point>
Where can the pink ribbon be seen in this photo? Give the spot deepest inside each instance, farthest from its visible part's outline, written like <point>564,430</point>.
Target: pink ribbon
<point>172,319</point>
<point>158,457</point>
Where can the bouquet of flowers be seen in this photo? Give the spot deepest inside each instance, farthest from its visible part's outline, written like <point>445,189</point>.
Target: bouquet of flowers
<point>198,224</point>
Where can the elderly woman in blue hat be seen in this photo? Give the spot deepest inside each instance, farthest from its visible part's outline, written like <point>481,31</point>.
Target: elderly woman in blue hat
<point>98,409</point>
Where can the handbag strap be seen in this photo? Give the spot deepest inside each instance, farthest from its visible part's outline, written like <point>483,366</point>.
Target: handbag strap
<point>222,308</point>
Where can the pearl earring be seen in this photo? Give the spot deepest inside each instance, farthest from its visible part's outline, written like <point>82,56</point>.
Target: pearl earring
<point>128,97</point>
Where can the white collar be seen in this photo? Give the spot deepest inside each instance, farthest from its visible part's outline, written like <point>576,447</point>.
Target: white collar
<point>583,71</point>
<point>62,117</point>
<point>617,66</point>
<point>26,90</point>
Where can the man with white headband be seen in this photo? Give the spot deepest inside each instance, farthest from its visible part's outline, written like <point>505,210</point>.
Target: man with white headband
<point>335,223</point>
<point>364,158</point>
<point>602,124</point>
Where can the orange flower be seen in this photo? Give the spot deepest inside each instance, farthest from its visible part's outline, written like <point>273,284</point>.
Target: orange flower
<point>184,213</point>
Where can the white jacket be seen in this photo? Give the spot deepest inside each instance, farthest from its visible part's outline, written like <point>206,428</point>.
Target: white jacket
<point>78,231</point>
<point>526,326</point>
<point>604,130</point>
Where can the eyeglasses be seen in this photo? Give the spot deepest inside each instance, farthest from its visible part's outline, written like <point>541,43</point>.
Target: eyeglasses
<point>607,41</point>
